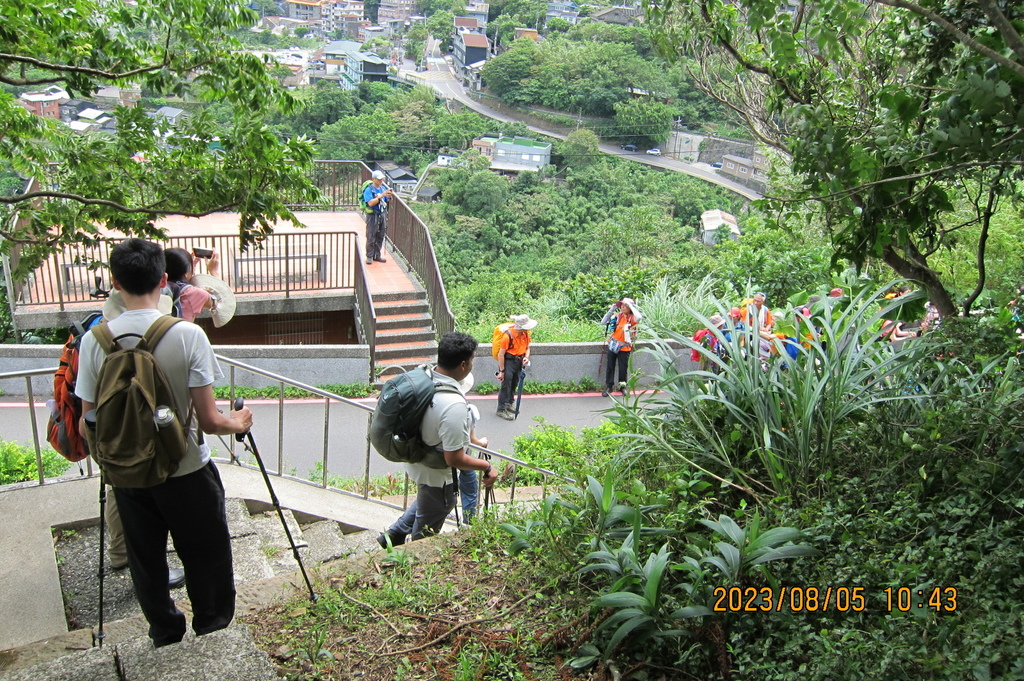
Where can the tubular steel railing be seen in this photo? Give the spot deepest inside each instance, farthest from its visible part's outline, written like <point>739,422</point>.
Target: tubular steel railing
<point>283,263</point>
<point>365,315</point>
<point>334,450</point>
<point>412,239</point>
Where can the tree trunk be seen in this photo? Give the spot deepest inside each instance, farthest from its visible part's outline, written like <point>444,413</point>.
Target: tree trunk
<point>926,276</point>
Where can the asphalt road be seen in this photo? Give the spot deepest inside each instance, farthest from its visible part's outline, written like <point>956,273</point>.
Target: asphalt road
<point>309,430</point>
<point>439,77</point>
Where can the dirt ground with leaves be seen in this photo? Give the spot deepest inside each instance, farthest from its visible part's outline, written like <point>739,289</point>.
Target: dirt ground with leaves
<point>446,608</point>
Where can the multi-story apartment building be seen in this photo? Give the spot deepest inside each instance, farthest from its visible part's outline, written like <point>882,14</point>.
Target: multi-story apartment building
<point>304,10</point>
<point>395,9</point>
<point>45,103</point>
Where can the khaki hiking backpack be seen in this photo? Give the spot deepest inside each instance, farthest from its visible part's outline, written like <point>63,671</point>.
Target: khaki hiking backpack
<point>131,447</point>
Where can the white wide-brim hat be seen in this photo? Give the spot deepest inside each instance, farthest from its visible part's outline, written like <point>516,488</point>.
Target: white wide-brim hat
<point>523,322</point>
<point>114,305</point>
<point>224,308</point>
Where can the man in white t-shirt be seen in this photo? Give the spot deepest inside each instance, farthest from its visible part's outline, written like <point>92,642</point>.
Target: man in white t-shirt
<point>447,422</point>
<point>190,504</point>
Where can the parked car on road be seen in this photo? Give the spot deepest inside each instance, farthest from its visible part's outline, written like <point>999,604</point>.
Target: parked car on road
<point>716,165</point>
<point>628,147</point>
<point>654,152</point>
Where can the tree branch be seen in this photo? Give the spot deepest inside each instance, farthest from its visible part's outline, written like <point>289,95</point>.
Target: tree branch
<point>1005,28</point>
<point>950,28</point>
<point>87,71</point>
<point>990,209</point>
<point>899,178</point>
<point>31,196</point>
<point>84,70</point>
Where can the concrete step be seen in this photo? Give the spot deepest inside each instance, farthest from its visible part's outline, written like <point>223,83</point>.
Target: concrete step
<point>225,655</point>
<point>387,351</point>
<point>396,321</point>
<point>274,542</point>
<point>397,307</point>
<point>409,334</point>
<point>328,541</point>
<point>388,369</point>
<point>418,294</point>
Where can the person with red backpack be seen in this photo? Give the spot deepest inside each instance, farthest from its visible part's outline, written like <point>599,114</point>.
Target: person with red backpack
<point>187,502</point>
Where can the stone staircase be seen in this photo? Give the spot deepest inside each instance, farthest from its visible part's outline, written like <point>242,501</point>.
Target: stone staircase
<point>405,333</point>
<point>261,554</point>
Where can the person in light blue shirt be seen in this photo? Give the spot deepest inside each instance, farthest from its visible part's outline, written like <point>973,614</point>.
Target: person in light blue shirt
<point>376,196</point>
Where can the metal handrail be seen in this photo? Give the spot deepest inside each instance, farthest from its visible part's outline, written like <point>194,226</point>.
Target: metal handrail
<point>411,238</point>
<point>282,381</point>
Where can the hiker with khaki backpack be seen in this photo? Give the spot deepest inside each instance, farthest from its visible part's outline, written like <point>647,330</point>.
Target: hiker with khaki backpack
<point>146,384</point>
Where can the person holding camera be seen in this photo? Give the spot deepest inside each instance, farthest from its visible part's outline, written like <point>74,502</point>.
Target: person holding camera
<point>376,196</point>
<point>621,321</point>
<point>190,300</point>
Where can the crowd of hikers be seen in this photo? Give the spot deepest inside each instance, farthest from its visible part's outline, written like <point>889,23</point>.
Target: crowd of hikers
<point>757,327</point>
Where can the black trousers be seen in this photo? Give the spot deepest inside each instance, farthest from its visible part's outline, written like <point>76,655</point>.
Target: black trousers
<point>191,509</point>
<point>611,359</point>
<point>507,395</point>
<point>376,227</point>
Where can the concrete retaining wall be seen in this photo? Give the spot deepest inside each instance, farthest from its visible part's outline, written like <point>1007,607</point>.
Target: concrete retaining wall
<point>324,364</point>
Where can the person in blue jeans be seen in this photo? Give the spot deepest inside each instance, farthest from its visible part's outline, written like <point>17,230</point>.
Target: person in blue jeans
<point>449,422</point>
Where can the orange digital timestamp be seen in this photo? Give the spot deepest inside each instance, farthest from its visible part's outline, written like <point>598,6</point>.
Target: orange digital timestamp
<point>937,598</point>
<point>789,599</point>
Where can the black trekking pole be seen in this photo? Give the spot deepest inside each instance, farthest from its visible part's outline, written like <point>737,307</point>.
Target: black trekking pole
<point>240,437</point>
<point>97,638</point>
<point>519,397</point>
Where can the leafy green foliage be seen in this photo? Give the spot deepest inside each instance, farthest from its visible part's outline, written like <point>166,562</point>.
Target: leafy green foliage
<point>352,390</point>
<point>563,450</point>
<point>901,162</point>
<point>90,181</point>
<point>18,463</point>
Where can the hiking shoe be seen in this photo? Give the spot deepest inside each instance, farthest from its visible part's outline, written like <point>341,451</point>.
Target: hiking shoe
<point>382,539</point>
<point>175,578</point>
<point>507,415</point>
<point>380,259</point>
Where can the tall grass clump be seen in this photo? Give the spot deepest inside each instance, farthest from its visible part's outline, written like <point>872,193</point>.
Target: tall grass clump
<point>777,425</point>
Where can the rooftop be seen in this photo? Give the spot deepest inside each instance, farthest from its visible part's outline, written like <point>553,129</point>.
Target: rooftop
<point>475,40</point>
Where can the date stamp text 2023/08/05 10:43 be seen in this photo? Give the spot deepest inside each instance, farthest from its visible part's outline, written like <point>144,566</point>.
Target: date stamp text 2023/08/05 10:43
<point>834,599</point>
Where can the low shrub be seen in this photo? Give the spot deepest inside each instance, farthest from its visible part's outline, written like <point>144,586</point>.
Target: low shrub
<point>349,390</point>
<point>564,450</point>
<point>18,463</point>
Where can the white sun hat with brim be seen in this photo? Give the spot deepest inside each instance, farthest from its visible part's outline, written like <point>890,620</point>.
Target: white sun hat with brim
<point>114,305</point>
<point>523,322</point>
<point>224,305</point>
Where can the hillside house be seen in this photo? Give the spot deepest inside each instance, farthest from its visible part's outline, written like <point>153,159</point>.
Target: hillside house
<point>44,103</point>
<point>621,16</point>
<point>716,225</point>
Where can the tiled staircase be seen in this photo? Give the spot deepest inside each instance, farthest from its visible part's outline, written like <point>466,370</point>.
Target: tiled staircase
<point>405,333</point>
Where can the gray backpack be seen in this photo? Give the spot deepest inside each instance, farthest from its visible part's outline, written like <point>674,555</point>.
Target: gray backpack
<point>395,425</point>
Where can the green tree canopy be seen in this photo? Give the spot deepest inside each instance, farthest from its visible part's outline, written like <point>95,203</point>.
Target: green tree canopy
<point>644,120</point>
<point>579,149</point>
<point>894,116</point>
<point>170,47</point>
